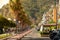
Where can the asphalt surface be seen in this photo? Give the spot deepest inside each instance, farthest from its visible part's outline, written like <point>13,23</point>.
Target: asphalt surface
<point>29,38</point>
<point>35,35</point>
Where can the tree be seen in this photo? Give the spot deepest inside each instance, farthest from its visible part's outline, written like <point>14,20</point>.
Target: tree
<point>20,15</point>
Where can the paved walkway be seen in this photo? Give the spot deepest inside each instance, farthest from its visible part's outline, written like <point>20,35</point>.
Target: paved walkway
<point>18,36</point>
<point>34,35</point>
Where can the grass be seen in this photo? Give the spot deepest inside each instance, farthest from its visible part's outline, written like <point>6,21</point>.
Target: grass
<point>4,35</point>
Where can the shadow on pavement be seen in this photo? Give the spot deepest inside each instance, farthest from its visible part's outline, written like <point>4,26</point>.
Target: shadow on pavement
<point>29,38</point>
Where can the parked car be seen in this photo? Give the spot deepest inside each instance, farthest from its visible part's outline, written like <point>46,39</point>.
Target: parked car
<point>55,34</point>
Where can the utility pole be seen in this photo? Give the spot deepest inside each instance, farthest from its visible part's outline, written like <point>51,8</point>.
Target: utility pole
<point>56,15</point>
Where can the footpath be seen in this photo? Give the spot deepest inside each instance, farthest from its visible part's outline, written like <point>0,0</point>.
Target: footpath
<point>18,36</point>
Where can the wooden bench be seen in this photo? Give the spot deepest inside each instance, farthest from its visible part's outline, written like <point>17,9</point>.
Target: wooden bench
<point>19,36</point>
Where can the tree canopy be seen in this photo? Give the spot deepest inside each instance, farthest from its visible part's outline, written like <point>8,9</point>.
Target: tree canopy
<point>20,14</point>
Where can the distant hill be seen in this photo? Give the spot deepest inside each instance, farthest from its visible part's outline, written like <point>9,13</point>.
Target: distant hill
<point>36,8</point>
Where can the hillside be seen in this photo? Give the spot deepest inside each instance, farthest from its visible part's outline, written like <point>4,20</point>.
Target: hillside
<point>36,8</point>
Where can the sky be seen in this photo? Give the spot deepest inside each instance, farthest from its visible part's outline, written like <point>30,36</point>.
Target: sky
<point>3,2</point>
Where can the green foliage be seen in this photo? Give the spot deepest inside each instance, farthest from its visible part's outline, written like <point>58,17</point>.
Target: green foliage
<point>32,26</point>
<point>5,22</point>
<point>18,10</point>
<point>4,36</point>
<point>38,7</point>
<point>52,27</point>
<point>12,24</point>
<point>51,21</point>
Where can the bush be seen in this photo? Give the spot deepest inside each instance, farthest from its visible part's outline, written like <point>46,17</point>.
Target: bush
<point>5,22</point>
<point>4,35</point>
